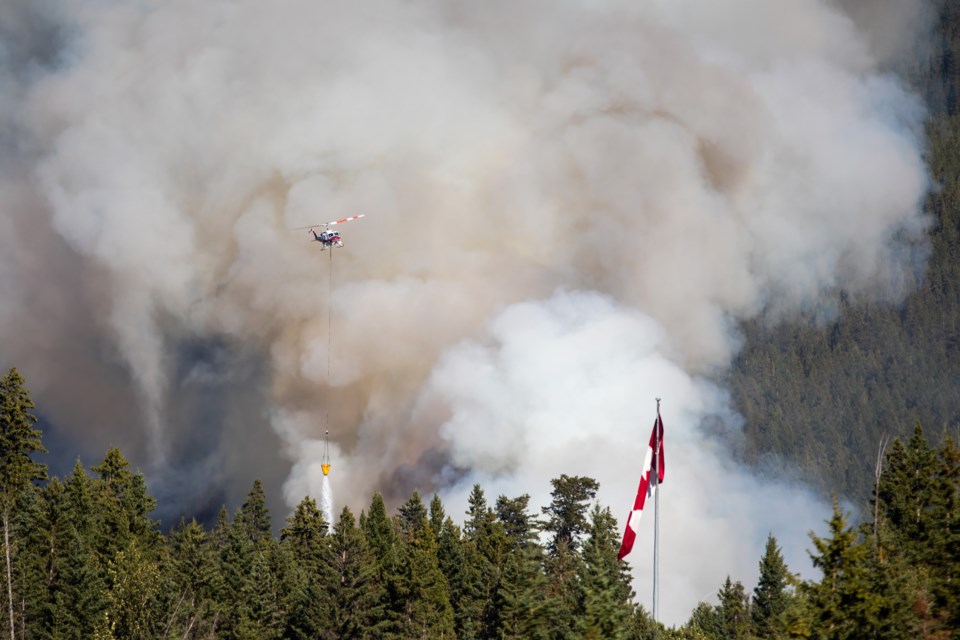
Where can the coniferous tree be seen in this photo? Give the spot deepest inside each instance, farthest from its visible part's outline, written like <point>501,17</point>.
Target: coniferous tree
<point>305,539</point>
<point>734,610</point>
<point>236,566</point>
<point>606,595</point>
<point>918,508</point>
<point>382,539</point>
<point>843,605</point>
<point>567,521</point>
<point>424,609</point>
<point>194,581</point>
<point>38,511</point>
<point>134,594</point>
<point>357,594</point>
<point>567,511</point>
<point>122,503</point>
<point>482,552</point>
<point>517,523</point>
<point>306,534</point>
<point>78,603</point>
<point>519,608</point>
<point>770,597</point>
<point>706,623</point>
<point>437,516</point>
<point>413,516</point>
<point>379,530</point>
<point>254,514</point>
<point>18,440</point>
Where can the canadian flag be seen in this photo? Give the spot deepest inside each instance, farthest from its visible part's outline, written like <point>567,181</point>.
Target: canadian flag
<point>648,484</point>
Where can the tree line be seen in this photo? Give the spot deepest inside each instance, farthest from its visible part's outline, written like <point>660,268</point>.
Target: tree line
<point>83,560</point>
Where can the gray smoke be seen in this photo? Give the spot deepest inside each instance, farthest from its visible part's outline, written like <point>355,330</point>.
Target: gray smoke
<point>569,207</point>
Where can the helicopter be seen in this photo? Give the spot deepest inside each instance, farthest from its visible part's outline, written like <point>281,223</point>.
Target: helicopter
<point>328,237</point>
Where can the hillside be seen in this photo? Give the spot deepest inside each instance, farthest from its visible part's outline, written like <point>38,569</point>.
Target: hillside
<point>824,396</point>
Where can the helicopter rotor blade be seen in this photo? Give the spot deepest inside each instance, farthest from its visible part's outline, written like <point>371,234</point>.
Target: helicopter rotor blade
<point>346,219</point>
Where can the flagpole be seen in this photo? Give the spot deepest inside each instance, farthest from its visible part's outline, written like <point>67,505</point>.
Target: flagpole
<point>655,475</point>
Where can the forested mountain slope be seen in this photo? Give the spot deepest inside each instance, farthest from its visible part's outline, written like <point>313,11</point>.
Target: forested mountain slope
<point>824,396</point>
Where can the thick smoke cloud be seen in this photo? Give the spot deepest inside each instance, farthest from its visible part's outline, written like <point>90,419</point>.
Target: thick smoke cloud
<point>569,208</point>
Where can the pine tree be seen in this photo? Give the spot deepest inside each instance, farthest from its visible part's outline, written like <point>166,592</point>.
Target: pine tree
<point>78,601</point>
<point>33,517</point>
<point>413,516</point>
<point>134,594</point>
<point>382,539</point>
<point>770,597</point>
<point>705,622</point>
<point>517,523</point>
<point>306,533</point>
<point>195,582</point>
<point>236,566</point>
<point>844,604</point>
<point>424,609</point>
<point>254,514</point>
<point>379,530</point>
<point>567,521</point>
<point>918,502</point>
<point>519,608</point>
<point>18,440</point>
<point>357,594</point>
<point>123,504</point>
<point>567,511</point>
<point>437,516</point>
<point>606,594</point>
<point>485,546</point>
<point>734,610</point>
<point>305,538</point>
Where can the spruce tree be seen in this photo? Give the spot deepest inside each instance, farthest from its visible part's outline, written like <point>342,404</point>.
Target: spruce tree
<point>254,514</point>
<point>236,566</point>
<point>413,516</point>
<point>306,533</point>
<point>424,609</point>
<point>356,591</point>
<point>734,610</point>
<point>567,511</point>
<point>606,595</point>
<point>36,543</point>
<point>518,524</point>
<point>770,597</point>
<point>437,516</point>
<point>195,582</point>
<point>123,504</point>
<point>18,440</point>
<point>567,521</point>
<point>519,608</point>
<point>843,605</point>
<point>134,594</point>
<point>705,622</point>
<point>305,539</point>
<point>382,539</point>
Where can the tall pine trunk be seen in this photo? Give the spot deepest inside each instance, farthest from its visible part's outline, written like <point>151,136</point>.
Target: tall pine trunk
<point>6,550</point>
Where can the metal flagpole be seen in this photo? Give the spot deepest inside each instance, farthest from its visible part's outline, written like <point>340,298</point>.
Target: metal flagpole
<point>655,478</point>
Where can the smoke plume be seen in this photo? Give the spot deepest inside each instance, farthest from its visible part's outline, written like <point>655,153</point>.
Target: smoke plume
<point>569,208</point>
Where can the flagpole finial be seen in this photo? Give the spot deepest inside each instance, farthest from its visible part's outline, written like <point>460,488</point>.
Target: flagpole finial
<point>658,405</point>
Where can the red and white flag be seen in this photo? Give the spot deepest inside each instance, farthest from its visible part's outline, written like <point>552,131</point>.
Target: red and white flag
<point>648,484</point>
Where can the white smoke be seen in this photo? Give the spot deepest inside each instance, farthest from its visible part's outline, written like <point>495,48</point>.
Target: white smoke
<point>569,208</point>
<point>568,385</point>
